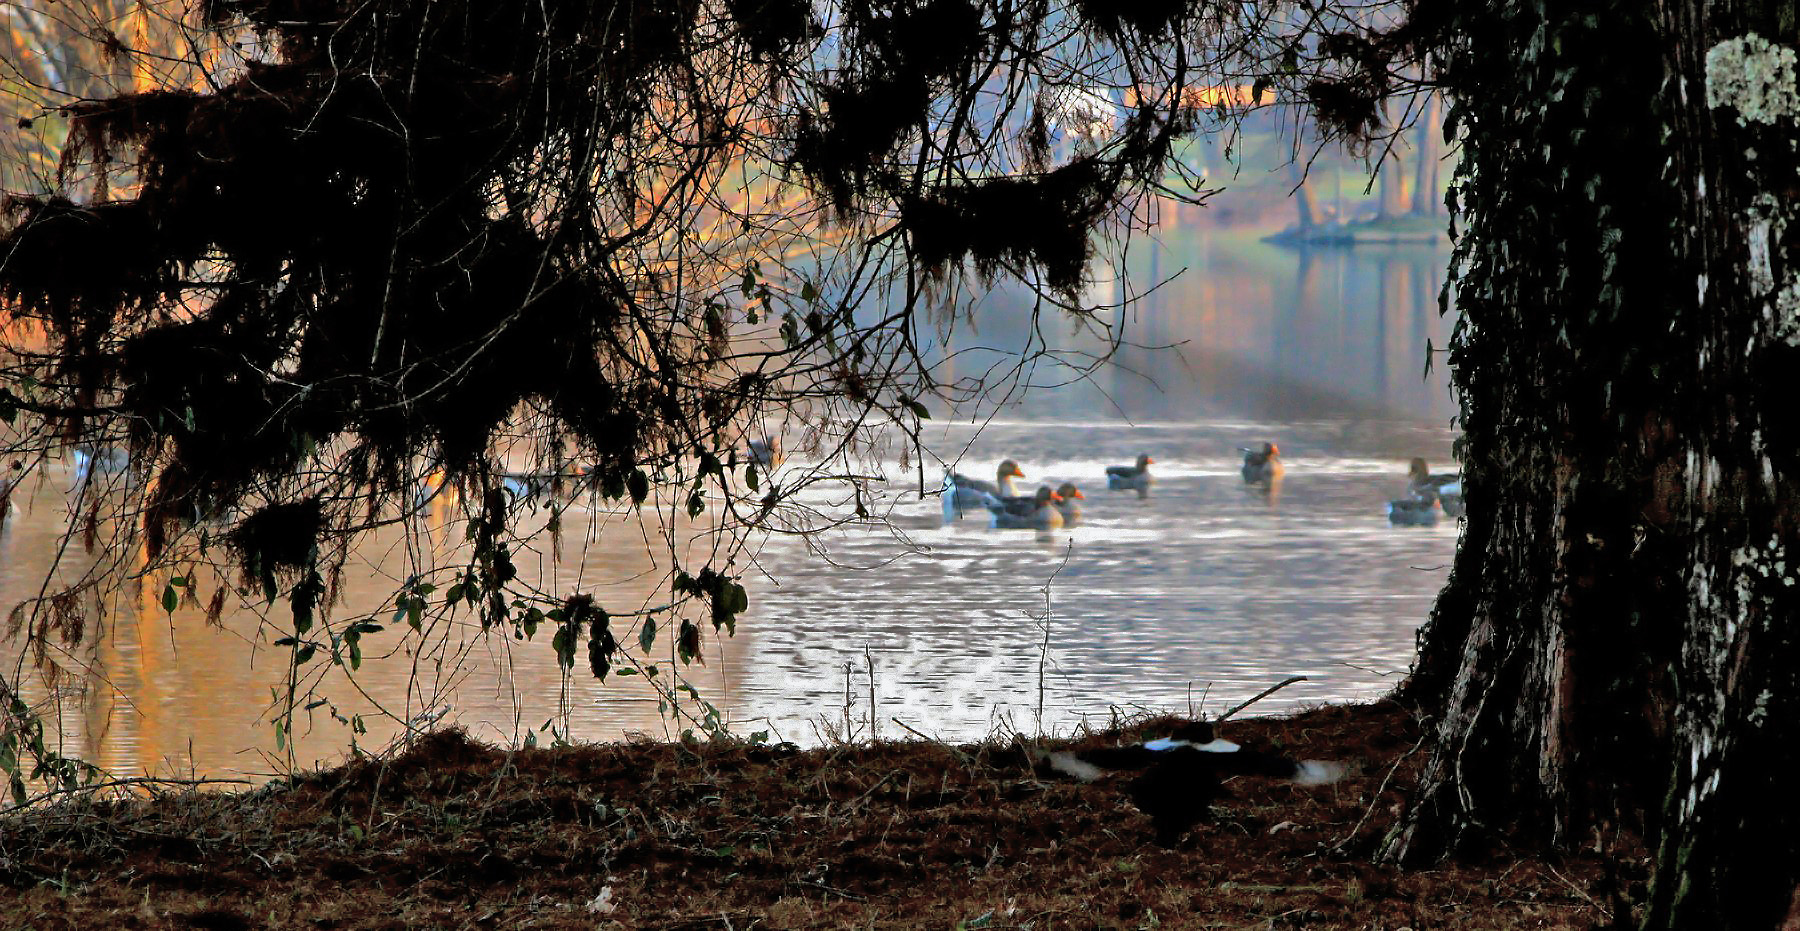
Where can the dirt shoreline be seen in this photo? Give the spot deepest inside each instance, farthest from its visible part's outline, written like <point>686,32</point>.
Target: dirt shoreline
<point>893,835</point>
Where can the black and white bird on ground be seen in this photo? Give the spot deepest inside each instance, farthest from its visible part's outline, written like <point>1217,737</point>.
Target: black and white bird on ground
<point>1180,775</point>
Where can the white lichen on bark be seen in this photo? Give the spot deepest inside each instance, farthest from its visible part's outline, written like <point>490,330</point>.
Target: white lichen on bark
<point>1787,312</point>
<point>1753,76</point>
<point>1762,272</point>
<point>1767,221</point>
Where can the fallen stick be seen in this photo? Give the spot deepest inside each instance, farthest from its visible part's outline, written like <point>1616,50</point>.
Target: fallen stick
<point>1265,693</point>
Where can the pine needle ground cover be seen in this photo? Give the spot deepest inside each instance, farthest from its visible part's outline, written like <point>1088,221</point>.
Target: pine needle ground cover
<point>454,834</point>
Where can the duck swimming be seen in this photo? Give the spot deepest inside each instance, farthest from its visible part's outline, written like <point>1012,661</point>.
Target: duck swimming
<point>1262,467</point>
<point>962,493</point>
<point>1066,495</point>
<point>530,486</point>
<point>1037,512</point>
<point>1413,512</point>
<point>1180,775</point>
<point>1444,488</point>
<point>104,460</point>
<point>766,453</point>
<point>1132,477</point>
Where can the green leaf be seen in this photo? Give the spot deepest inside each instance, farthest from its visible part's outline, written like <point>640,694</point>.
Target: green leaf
<point>750,476</point>
<point>695,504</point>
<point>355,654</point>
<point>647,636</point>
<point>564,645</point>
<point>170,599</point>
<point>305,653</point>
<point>639,485</point>
<point>808,293</point>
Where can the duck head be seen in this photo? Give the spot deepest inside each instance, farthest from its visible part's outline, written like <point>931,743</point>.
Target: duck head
<point>1067,491</point>
<point>1011,468</point>
<point>1144,462</point>
<point>1418,470</point>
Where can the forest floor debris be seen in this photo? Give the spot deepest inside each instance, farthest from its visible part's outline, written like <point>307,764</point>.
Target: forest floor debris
<point>729,835</point>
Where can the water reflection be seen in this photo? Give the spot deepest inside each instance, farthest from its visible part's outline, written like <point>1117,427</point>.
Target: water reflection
<point>1201,591</point>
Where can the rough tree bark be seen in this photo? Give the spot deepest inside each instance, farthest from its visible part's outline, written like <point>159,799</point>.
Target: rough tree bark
<point>1729,853</point>
<point>1615,647</point>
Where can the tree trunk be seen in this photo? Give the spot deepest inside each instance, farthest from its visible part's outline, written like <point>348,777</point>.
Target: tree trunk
<point>1628,355</point>
<point>1729,853</point>
<point>1390,175</point>
<point>1425,198</point>
<point>1303,199</point>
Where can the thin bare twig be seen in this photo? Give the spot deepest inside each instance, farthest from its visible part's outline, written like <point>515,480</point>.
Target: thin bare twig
<point>1265,693</point>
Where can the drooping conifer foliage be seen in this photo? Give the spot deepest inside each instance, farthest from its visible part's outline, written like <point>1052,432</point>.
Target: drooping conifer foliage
<point>403,239</point>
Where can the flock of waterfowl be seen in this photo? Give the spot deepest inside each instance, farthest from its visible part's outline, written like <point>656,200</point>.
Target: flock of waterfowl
<point>1427,495</point>
<point>1050,508</point>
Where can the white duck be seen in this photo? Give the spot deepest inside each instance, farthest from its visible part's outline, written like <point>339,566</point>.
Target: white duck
<point>962,493</point>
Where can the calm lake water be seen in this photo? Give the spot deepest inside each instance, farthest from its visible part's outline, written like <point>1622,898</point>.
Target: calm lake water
<point>1194,597</point>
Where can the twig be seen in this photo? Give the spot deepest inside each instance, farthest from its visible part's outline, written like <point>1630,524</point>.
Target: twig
<point>873,719</point>
<point>137,781</point>
<point>1604,912</point>
<point>1376,798</point>
<point>930,739</point>
<point>1044,648</point>
<point>1265,693</point>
